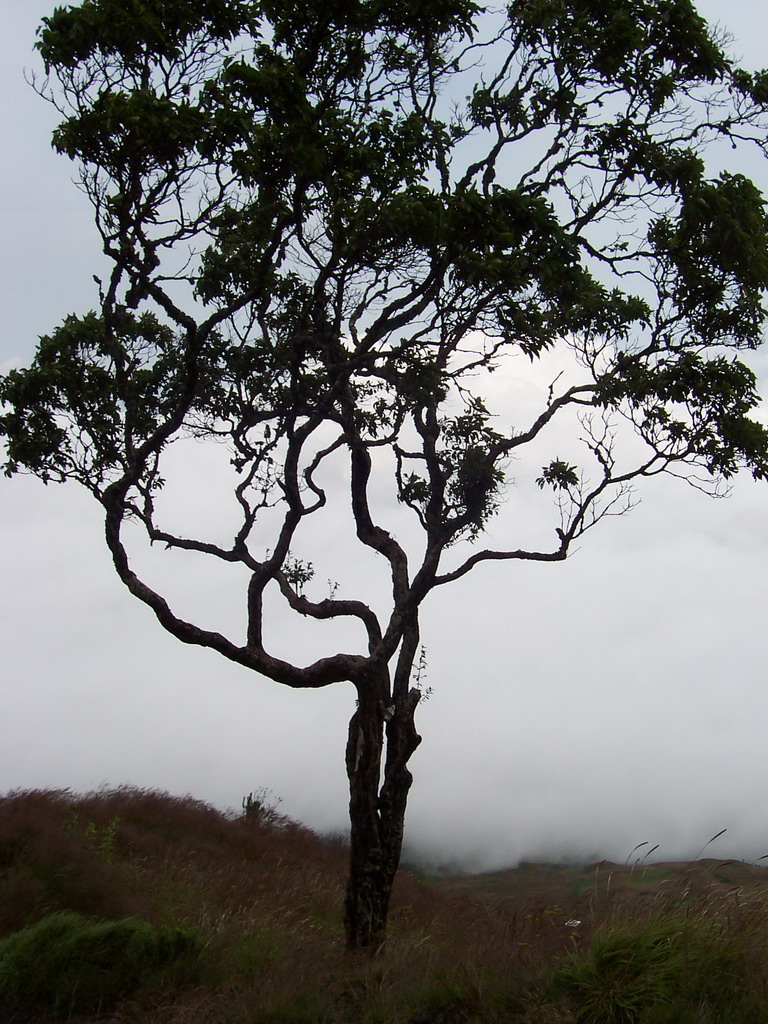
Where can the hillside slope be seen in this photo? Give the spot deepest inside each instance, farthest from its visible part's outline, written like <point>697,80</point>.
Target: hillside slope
<point>134,907</point>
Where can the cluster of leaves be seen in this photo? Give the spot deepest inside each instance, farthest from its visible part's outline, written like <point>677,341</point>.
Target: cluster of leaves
<point>695,407</point>
<point>135,29</point>
<point>97,390</point>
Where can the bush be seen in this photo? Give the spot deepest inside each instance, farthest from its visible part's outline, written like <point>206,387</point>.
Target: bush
<point>68,964</point>
<point>667,971</point>
<point>626,973</point>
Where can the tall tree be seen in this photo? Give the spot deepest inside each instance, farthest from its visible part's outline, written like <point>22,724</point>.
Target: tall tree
<point>329,225</point>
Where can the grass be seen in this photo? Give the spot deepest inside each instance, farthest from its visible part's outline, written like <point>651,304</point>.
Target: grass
<point>161,910</point>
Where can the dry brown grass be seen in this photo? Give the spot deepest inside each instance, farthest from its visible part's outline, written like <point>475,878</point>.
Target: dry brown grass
<point>266,902</point>
<point>266,899</point>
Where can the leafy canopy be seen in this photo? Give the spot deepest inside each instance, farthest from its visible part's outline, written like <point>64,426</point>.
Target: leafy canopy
<point>330,224</point>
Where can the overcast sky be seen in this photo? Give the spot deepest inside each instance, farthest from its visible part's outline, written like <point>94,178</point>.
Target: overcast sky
<point>578,709</point>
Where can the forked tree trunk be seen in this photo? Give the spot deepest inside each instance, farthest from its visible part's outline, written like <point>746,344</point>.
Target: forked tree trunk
<point>376,812</point>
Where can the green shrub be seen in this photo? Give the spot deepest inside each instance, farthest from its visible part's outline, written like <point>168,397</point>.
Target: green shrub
<point>665,971</point>
<point>67,963</point>
<point>626,973</point>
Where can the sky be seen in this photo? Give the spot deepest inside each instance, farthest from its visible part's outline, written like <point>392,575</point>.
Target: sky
<point>577,709</point>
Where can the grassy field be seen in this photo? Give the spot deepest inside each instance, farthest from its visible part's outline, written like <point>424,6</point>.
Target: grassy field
<point>134,907</point>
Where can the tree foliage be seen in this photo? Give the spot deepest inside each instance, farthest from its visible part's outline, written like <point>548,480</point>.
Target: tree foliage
<point>330,226</point>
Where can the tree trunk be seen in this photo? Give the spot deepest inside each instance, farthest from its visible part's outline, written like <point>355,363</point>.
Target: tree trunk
<point>376,816</point>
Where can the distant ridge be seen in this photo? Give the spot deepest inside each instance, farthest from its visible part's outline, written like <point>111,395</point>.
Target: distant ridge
<point>605,879</point>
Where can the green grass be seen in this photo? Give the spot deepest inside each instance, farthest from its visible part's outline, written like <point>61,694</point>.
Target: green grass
<point>159,910</point>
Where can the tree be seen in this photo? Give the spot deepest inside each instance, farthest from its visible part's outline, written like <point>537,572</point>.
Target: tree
<point>331,227</point>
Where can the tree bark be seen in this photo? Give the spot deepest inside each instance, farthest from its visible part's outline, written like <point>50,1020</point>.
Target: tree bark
<point>376,815</point>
